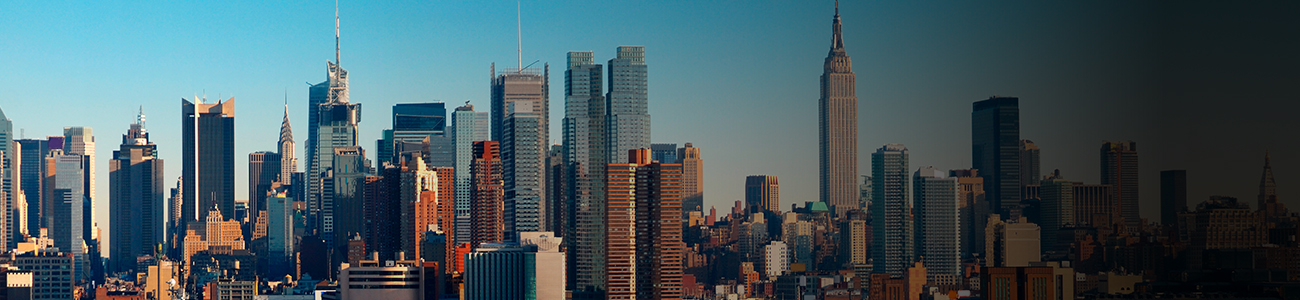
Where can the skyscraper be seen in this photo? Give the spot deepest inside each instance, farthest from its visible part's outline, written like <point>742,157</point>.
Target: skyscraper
<point>1267,187</point>
<point>839,126</point>
<point>287,148</point>
<point>938,231</point>
<point>644,240</point>
<point>33,179</point>
<point>1119,168</point>
<point>81,141</point>
<point>1173,195</point>
<point>136,204</point>
<point>333,123</point>
<point>665,153</point>
<point>413,122</point>
<point>487,192</point>
<point>692,178</point>
<point>208,170</point>
<point>279,233</point>
<point>66,212</point>
<point>523,84</point>
<point>584,162</point>
<point>891,211</point>
<point>468,126</point>
<point>1057,211</point>
<point>972,209</point>
<point>1029,163</point>
<point>523,155</point>
<point>628,106</point>
<point>346,215</point>
<point>763,193</point>
<point>995,150</point>
<point>10,164</point>
<point>263,169</point>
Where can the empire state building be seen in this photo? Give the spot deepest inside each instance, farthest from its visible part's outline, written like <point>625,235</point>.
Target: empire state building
<point>838,127</point>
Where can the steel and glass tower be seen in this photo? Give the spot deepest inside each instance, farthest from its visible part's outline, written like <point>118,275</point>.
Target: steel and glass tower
<point>627,112</point>
<point>136,204</point>
<point>585,160</point>
<point>995,151</point>
<point>333,124</point>
<point>468,126</point>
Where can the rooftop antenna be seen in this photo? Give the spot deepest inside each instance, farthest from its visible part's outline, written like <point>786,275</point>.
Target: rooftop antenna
<point>336,33</point>
<point>519,24</point>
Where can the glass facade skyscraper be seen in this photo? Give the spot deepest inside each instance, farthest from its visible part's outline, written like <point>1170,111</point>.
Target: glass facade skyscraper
<point>995,151</point>
<point>585,160</point>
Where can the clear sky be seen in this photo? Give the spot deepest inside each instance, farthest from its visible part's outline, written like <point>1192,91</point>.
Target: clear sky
<point>737,78</point>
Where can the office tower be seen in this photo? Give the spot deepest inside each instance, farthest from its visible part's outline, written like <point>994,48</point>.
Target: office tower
<point>763,193</point>
<point>938,231</point>
<point>584,163</point>
<point>1057,211</point>
<point>1173,195</point>
<point>412,122</point>
<point>136,204</point>
<point>1011,243</point>
<point>1030,167</point>
<point>332,123</point>
<point>347,174</point>
<point>1119,168</point>
<point>427,207</point>
<point>50,284</point>
<point>33,156</point>
<point>516,271</point>
<point>692,178</point>
<point>416,184</point>
<point>81,141</point>
<point>972,209</point>
<point>523,154</point>
<point>627,111</point>
<point>556,209</point>
<point>777,259</point>
<point>644,240</point>
<point>515,85</point>
<point>10,169</point>
<point>1267,187</point>
<point>838,126</point>
<point>995,150</point>
<point>1225,223</point>
<point>665,153</point>
<point>214,232</point>
<point>891,221</point>
<point>208,171</point>
<point>287,148</point>
<point>487,193</point>
<point>1094,205</point>
<point>263,170</point>
<point>468,126</point>
<point>279,232</point>
<point>66,212</point>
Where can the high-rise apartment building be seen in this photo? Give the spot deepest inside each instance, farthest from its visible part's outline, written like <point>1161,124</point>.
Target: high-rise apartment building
<point>467,127</point>
<point>692,178</point>
<point>1119,168</point>
<point>891,222</point>
<point>838,126</point>
<point>763,193</point>
<point>1030,168</point>
<point>584,162</point>
<point>1173,196</point>
<point>938,231</point>
<point>995,151</point>
<point>208,153</point>
<point>972,209</point>
<point>628,110</point>
<point>644,240</point>
<point>1011,243</point>
<point>136,204</point>
<point>486,188</point>
<point>1057,211</point>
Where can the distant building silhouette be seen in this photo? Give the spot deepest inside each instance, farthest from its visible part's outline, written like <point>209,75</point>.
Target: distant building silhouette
<point>1173,197</point>
<point>1119,168</point>
<point>995,151</point>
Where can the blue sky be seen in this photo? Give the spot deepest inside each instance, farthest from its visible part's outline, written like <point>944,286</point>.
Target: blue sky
<point>737,78</point>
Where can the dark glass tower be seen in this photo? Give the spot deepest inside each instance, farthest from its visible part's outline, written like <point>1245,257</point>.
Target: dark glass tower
<point>584,163</point>
<point>1173,196</point>
<point>208,170</point>
<point>995,151</point>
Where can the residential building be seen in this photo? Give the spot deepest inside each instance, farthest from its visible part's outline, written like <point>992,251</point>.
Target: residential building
<point>1119,169</point>
<point>892,247</point>
<point>1057,211</point>
<point>644,237</point>
<point>487,192</point>
<point>628,109</point>
<point>467,127</point>
<point>52,273</point>
<point>763,193</point>
<point>777,259</point>
<point>665,153</point>
<point>1012,243</point>
<point>972,210</point>
<point>692,178</point>
<point>938,233</point>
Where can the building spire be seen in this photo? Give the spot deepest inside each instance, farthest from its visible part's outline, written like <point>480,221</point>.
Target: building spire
<point>837,42</point>
<point>336,33</point>
<point>1267,186</point>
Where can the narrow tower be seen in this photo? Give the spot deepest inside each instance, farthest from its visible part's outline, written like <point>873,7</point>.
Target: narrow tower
<point>838,126</point>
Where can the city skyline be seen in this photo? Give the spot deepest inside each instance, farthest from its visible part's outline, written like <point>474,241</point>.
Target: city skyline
<point>1043,111</point>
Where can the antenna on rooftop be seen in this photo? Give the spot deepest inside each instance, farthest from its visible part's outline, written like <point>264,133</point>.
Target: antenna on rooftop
<point>519,24</point>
